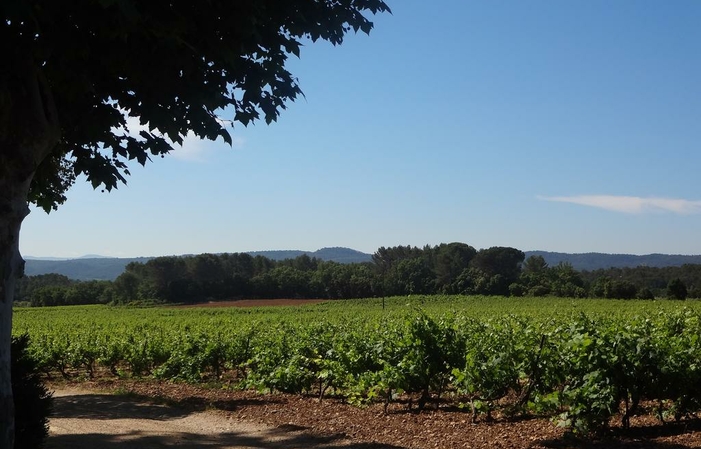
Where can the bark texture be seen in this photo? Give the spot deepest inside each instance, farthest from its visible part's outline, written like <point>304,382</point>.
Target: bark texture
<point>12,212</point>
<point>29,130</point>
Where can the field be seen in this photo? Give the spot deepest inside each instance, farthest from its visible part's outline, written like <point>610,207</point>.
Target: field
<point>585,364</point>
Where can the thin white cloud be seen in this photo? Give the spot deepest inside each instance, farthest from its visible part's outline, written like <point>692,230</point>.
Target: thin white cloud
<point>631,204</point>
<point>193,148</point>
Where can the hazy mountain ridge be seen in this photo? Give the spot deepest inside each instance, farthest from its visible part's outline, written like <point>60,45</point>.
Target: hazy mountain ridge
<point>108,268</point>
<point>335,254</point>
<point>83,269</point>
<point>595,261</point>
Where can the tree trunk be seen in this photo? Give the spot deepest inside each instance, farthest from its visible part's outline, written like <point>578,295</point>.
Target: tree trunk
<point>13,209</point>
<point>29,130</point>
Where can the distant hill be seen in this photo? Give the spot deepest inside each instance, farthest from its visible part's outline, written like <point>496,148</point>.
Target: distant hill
<point>43,258</point>
<point>594,261</point>
<point>335,254</point>
<point>342,255</point>
<point>108,268</point>
<point>83,269</point>
<point>279,254</point>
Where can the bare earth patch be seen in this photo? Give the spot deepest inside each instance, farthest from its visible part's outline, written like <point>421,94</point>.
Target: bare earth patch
<point>86,419</point>
<point>255,303</point>
<point>161,414</point>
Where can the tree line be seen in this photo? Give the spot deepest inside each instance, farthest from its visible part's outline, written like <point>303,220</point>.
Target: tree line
<point>453,268</point>
<point>58,290</point>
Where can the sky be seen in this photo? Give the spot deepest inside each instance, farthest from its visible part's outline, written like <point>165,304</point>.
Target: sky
<point>569,126</point>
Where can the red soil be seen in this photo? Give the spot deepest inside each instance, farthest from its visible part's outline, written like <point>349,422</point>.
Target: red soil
<point>256,303</point>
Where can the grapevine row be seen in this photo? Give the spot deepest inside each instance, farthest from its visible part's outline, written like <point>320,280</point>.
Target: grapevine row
<point>582,370</point>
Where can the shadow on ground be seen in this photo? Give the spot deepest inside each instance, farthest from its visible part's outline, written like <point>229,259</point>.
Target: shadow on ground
<point>281,439</point>
<point>633,438</point>
<point>110,406</point>
<point>198,404</point>
<point>566,443</point>
<point>105,406</point>
<point>99,409</point>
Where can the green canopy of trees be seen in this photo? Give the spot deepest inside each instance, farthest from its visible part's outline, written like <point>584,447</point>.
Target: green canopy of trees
<point>453,268</point>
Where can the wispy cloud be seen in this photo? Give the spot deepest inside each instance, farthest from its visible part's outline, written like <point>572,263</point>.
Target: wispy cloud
<point>631,204</point>
<point>193,149</point>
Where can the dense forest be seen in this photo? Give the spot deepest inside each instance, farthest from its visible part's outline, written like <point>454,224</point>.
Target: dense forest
<point>58,290</point>
<point>454,268</point>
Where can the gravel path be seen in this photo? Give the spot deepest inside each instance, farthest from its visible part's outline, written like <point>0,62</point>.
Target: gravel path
<point>88,419</point>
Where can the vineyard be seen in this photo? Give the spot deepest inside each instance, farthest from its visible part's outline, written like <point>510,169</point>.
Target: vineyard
<point>581,362</point>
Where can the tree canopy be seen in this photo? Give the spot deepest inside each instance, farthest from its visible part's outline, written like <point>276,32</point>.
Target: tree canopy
<point>174,66</point>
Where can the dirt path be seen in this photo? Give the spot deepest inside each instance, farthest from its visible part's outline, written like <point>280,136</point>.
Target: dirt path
<point>88,416</point>
<point>89,420</point>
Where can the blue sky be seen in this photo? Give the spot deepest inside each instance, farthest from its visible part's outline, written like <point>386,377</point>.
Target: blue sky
<point>570,126</point>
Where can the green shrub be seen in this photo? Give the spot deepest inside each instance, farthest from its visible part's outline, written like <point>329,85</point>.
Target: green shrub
<point>676,289</point>
<point>33,402</point>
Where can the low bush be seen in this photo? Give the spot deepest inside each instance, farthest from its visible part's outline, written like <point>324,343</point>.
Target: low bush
<point>33,402</point>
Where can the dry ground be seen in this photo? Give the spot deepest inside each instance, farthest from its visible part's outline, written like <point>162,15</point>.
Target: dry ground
<point>254,303</point>
<point>89,419</point>
<point>147,414</point>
